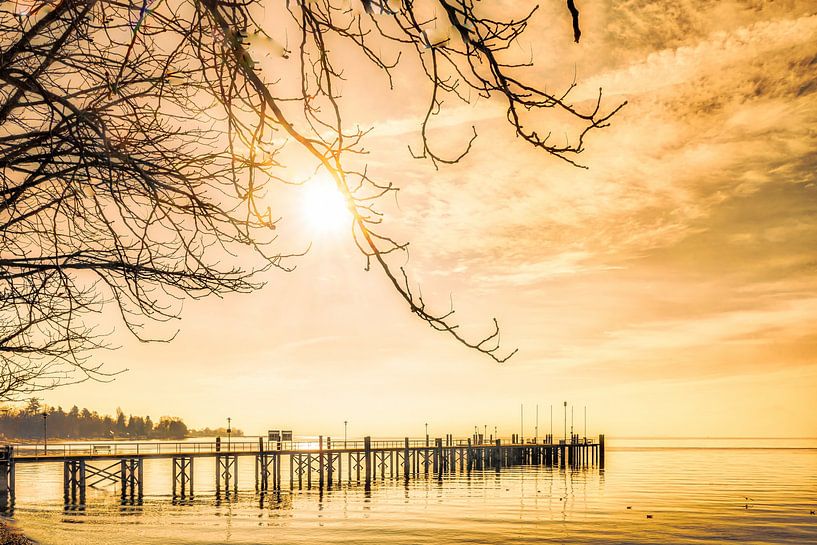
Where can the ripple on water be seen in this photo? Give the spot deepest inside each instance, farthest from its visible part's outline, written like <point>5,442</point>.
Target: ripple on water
<point>719,495</point>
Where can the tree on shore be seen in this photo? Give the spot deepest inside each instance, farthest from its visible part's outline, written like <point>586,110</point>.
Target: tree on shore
<point>27,423</point>
<point>139,141</point>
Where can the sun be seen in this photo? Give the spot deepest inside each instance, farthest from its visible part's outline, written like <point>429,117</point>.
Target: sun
<point>323,207</point>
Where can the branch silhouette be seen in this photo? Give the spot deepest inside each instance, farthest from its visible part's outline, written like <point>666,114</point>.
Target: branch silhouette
<point>139,143</point>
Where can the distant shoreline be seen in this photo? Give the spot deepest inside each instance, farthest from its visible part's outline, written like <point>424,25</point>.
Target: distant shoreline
<point>59,440</point>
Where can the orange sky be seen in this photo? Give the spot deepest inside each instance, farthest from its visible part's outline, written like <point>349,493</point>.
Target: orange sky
<point>671,287</point>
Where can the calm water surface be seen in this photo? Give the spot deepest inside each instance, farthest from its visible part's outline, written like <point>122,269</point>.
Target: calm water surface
<point>697,491</point>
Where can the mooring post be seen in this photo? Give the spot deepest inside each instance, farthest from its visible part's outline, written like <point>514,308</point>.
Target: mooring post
<point>367,460</point>
<point>601,451</point>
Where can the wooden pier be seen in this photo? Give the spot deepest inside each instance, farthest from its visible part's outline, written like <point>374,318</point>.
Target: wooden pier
<point>278,465</point>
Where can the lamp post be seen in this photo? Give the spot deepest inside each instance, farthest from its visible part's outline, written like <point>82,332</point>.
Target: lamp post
<point>229,431</point>
<point>426,433</point>
<point>484,431</point>
<point>345,423</point>
<point>45,431</point>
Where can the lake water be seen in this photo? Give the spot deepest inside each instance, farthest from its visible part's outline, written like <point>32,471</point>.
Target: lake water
<point>696,491</point>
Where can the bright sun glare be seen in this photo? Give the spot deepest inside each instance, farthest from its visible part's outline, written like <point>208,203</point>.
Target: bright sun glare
<point>323,206</point>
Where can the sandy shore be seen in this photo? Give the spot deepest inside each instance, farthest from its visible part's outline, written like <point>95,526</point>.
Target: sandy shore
<point>10,536</point>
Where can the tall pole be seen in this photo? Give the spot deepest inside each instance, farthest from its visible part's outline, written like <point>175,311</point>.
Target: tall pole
<point>565,421</point>
<point>571,422</point>
<point>45,432</point>
<point>536,435</point>
<point>229,431</point>
<point>345,423</point>
<point>485,431</point>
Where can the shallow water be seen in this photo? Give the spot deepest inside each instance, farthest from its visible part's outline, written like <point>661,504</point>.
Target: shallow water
<point>697,491</point>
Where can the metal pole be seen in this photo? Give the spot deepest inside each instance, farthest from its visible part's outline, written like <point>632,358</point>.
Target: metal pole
<point>536,435</point>
<point>229,431</point>
<point>345,423</point>
<point>45,432</point>
<point>565,421</point>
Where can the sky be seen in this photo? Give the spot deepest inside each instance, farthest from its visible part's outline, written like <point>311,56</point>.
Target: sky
<point>670,288</point>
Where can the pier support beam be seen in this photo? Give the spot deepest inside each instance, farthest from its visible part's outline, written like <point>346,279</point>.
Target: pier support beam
<point>406,459</point>
<point>367,459</point>
<point>131,473</point>
<point>226,472</point>
<point>73,473</point>
<point>182,476</point>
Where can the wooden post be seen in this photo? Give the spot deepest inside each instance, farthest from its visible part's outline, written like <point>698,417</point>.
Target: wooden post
<point>82,482</point>
<point>406,458</point>
<point>320,461</point>
<point>367,460</point>
<point>218,470</point>
<point>123,478</point>
<point>601,451</point>
<point>277,462</point>
<point>330,466</point>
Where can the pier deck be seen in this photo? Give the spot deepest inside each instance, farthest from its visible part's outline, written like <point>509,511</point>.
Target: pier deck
<point>321,462</point>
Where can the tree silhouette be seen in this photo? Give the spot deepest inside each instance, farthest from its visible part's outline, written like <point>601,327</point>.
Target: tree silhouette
<point>139,140</point>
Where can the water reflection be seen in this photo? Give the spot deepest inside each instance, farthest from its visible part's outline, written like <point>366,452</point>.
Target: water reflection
<point>689,495</point>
